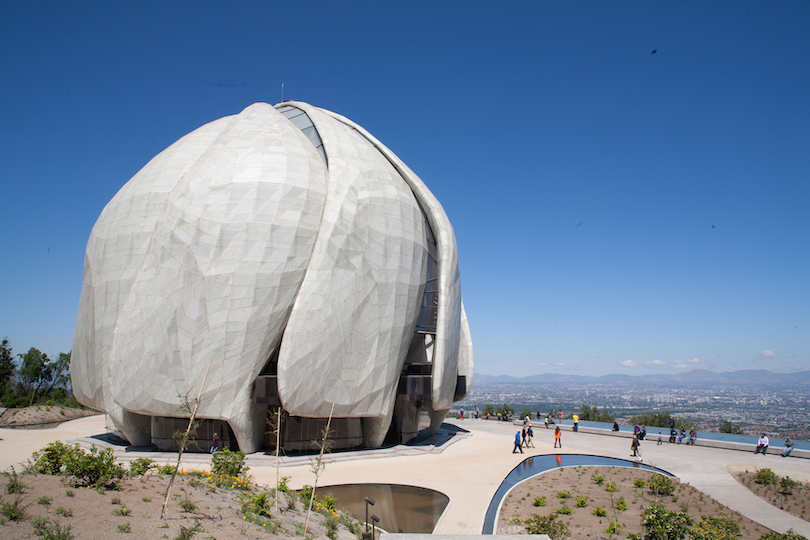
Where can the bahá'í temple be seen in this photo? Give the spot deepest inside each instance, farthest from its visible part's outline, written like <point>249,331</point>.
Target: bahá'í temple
<point>278,258</point>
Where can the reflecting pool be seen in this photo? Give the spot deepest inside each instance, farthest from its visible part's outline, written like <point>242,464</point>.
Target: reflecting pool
<point>406,509</point>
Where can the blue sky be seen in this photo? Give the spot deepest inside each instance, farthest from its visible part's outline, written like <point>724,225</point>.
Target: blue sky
<point>629,183</point>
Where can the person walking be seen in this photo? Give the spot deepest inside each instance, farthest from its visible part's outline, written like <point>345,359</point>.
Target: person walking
<point>545,421</point>
<point>634,447</point>
<point>529,435</point>
<point>517,444</point>
<point>215,444</point>
<point>576,423</point>
<point>557,438</point>
<point>523,436</point>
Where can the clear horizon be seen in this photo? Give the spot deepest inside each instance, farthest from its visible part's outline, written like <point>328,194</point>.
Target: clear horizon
<point>628,183</point>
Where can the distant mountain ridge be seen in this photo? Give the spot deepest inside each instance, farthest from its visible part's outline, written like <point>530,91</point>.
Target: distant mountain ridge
<point>694,377</point>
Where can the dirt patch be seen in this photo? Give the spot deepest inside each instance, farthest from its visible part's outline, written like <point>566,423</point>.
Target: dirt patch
<point>42,416</point>
<point>543,495</point>
<point>783,492</point>
<point>136,507</point>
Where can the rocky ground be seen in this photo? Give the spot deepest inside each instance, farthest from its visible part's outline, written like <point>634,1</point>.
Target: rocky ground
<point>545,494</point>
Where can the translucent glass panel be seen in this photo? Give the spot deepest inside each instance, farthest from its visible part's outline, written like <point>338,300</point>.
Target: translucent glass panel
<point>301,120</point>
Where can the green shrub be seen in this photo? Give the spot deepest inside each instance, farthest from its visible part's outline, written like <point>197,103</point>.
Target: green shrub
<point>563,510</point>
<point>598,480</point>
<point>661,484</point>
<point>724,527</point>
<point>328,502</point>
<point>96,468</point>
<point>125,527</point>
<point>14,485</point>
<point>563,494</point>
<point>116,500</point>
<point>556,530</point>
<point>53,458</point>
<point>621,504</point>
<point>331,524</point>
<point>187,505</point>
<point>765,476</point>
<point>44,500</point>
<point>282,484</point>
<point>229,463</point>
<point>69,493</point>
<point>599,511</point>
<point>539,501</point>
<point>166,469</point>
<point>187,533</point>
<point>582,502</point>
<point>613,528</point>
<point>611,487</point>
<point>65,512</point>
<point>662,524</point>
<point>256,503</point>
<point>44,528</point>
<point>141,466</point>
<point>305,493</point>
<point>639,482</point>
<point>789,535</point>
<point>787,485</point>
<point>122,511</point>
<point>14,511</point>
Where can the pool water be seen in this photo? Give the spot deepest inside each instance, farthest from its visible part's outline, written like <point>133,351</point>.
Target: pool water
<point>400,508</point>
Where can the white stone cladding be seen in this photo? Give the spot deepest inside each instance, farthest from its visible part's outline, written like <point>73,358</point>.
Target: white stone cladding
<point>238,239</point>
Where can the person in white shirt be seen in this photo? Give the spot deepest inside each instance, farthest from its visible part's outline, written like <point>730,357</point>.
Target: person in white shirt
<point>762,445</point>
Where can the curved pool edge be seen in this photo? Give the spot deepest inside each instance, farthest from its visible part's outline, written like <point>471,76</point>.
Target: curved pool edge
<point>493,512</point>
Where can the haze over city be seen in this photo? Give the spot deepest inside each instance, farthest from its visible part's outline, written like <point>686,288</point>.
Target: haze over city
<point>628,183</point>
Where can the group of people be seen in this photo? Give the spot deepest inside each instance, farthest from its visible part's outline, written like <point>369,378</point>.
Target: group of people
<point>763,443</point>
<point>523,438</point>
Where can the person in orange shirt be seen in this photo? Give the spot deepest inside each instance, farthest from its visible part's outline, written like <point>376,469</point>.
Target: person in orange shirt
<point>557,439</point>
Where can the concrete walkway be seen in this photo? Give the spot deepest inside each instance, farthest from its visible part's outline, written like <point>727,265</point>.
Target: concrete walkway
<point>468,465</point>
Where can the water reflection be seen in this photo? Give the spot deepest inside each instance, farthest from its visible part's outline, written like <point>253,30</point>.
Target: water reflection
<point>406,509</point>
<point>538,464</point>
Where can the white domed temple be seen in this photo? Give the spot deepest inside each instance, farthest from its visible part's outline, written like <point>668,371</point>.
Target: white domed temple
<point>292,261</point>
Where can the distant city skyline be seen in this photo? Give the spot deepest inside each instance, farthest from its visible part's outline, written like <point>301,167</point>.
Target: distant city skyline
<point>628,183</point>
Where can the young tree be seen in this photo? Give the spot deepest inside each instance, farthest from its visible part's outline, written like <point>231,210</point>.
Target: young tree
<point>59,372</point>
<point>7,367</point>
<point>319,463</point>
<point>35,371</point>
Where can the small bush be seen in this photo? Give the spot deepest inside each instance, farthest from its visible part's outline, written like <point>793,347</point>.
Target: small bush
<point>187,533</point>
<point>564,510</point>
<point>256,503</point>
<point>65,512</point>
<point>69,493</point>
<point>44,528</point>
<point>724,527</point>
<point>141,466</point>
<point>187,505</point>
<point>611,487</point>
<point>613,528</point>
<point>282,484</point>
<point>14,511</point>
<point>230,463</point>
<point>621,504</point>
<point>125,527</point>
<point>116,500</point>
<point>328,502</point>
<point>639,482</point>
<point>122,511</point>
<point>54,457</point>
<point>331,524</point>
<point>765,476</point>
<point>599,511</point>
<point>556,530</point>
<point>14,485</point>
<point>563,494</point>
<point>661,484</point>
<point>598,480</point>
<point>789,535</point>
<point>146,499</point>
<point>662,524</point>
<point>787,485</point>
<point>582,502</point>
<point>166,469</point>
<point>45,500</point>
<point>539,501</point>
<point>305,493</point>
<point>96,468</point>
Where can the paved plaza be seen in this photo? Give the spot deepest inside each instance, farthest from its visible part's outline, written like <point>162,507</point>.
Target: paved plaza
<point>467,460</point>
